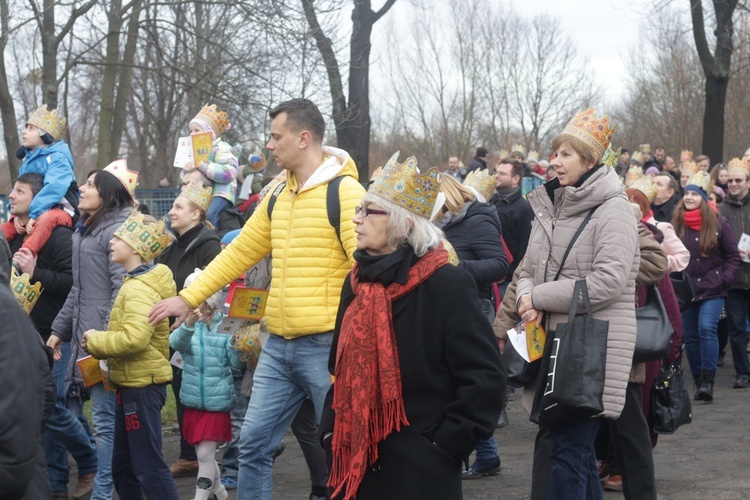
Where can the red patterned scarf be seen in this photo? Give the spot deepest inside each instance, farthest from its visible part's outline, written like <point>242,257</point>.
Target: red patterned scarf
<point>367,400</point>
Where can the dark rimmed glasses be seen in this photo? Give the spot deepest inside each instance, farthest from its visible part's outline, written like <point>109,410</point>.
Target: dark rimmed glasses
<point>365,211</point>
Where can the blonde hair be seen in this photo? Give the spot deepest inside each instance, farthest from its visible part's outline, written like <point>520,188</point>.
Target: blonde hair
<point>456,194</point>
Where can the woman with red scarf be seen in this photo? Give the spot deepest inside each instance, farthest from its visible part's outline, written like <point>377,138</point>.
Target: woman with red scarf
<point>418,376</point>
<point>714,260</point>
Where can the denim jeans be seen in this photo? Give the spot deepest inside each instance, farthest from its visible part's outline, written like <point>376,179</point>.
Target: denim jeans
<point>65,433</point>
<point>700,335</point>
<point>486,450</point>
<point>288,371</point>
<point>574,475</point>
<point>103,415</point>
<point>218,205</point>
<point>736,305</point>
<point>229,460</point>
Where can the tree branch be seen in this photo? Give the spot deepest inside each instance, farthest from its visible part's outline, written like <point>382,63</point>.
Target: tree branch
<point>699,34</point>
<point>380,13</point>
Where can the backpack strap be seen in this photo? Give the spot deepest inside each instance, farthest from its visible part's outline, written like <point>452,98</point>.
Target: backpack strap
<point>333,204</point>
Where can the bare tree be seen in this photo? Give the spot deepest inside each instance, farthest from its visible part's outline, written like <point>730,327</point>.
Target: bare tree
<point>7,110</point>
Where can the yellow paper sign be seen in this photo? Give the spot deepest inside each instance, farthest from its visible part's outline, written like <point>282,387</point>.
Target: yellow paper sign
<point>202,144</point>
<point>535,338</point>
<point>90,371</point>
<point>248,303</point>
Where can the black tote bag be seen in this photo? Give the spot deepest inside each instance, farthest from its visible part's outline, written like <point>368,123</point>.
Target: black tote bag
<point>684,289</point>
<point>670,401</point>
<point>577,360</point>
<point>654,330</point>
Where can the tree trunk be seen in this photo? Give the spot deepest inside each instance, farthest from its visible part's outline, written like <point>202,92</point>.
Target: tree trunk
<point>7,111</point>
<point>105,144</point>
<point>713,118</point>
<point>49,55</point>
<point>125,84</point>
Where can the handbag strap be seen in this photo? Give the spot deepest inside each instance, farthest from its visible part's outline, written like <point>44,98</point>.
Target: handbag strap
<point>580,289</point>
<point>573,240</point>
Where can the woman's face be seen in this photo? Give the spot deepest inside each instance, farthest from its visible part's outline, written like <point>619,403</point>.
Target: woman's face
<point>569,165</point>
<point>371,229</point>
<point>692,200</point>
<point>723,176</point>
<point>182,216</point>
<point>684,178</point>
<point>90,201</point>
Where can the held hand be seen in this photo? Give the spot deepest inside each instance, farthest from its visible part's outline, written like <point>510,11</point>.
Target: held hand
<point>173,306</point>
<point>54,343</point>
<point>194,315</point>
<point>85,340</point>
<point>202,166</point>
<point>30,226</point>
<point>25,260</point>
<point>527,311</point>
<point>189,167</point>
<point>20,228</point>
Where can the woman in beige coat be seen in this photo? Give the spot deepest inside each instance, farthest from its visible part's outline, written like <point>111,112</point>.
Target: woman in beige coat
<point>606,255</point>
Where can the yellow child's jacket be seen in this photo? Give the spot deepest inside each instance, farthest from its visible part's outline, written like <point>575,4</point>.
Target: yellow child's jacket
<point>309,263</point>
<point>138,353</point>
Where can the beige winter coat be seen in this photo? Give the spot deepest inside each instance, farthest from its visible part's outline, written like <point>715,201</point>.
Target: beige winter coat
<point>606,255</point>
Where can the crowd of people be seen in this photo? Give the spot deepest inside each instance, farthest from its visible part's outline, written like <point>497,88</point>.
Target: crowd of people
<point>388,310</point>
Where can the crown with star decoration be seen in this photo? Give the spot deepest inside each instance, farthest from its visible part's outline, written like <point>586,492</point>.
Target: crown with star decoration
<point>129,178</point>
<point>404,185</point>
<point>482,181</point>
<point>195,192</point>
<point>49,121</point>
<point>592,131</point>
<point>149,240</point>
<point>26,294</point>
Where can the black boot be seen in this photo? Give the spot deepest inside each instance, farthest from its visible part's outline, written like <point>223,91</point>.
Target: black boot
<point>696,385</point>
<point>706,389</point>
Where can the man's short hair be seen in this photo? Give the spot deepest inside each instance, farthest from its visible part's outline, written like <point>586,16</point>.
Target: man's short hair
<point>36,181</point>
<point>624,151</point>
<point>700,158</point>
<point>481,152</point>
<point>516,167</point>
<point>301,114</point>
<point>672,181</point>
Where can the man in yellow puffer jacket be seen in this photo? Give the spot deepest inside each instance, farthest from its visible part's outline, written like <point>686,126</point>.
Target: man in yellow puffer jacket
<point>309,267</point>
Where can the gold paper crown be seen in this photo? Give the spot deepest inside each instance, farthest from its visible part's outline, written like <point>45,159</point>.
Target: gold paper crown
<point>129,178</point>
<point>257,162</point>
<point>26,293</point>
<point>702,180</point>
<point>215,118</point>
<point>377,173</point>
<point>689,167</point>
<point>595,132</point>
<point>686,155</point>
<point>646,186</point>
<point>149,240</point>
<point>49,121</point>
<point>610,157</point>
<point>645,148</point>
<point>482,181</point>
<point>504,153</point>
<point>404,185</point>
<point>452,255</point>
<point>533,155</point>
<point>518,148</point>
<point>195,192</point>
<point>634,174</point>
<point>738,163</point>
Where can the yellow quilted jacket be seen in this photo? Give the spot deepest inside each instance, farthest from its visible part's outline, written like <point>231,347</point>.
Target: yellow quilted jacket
<point>309,263</point>
<point>138,353</point>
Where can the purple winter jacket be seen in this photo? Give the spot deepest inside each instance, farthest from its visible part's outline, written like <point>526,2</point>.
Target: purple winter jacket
<point>714,274</point>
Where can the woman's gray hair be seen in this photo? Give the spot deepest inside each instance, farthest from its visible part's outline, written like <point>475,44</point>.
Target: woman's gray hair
<point>406,227</point>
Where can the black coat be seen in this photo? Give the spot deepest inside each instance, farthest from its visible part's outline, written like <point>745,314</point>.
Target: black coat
<point>475,236</point>
<point>665,211</point>
<point>194,249</point>
<point>476,164</point>
<point>453,386</point>
<point>54,270</point>
<point>516,216</point>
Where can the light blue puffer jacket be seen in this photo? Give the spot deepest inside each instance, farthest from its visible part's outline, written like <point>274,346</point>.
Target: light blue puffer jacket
<point>206,379</point>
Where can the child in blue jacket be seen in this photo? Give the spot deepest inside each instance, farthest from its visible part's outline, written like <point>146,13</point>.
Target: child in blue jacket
<point>207,388</point>
<point>45,152</point>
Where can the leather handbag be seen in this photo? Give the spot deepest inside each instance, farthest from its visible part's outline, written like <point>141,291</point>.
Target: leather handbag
<point>653,328</point>
<point>684,288</point>
<point>574,383</point>
<point>670,401</point>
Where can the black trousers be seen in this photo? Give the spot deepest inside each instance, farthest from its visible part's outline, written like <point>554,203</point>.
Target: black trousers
<point>633,452</point>
<point>138,465</point>
<point>736,305</point>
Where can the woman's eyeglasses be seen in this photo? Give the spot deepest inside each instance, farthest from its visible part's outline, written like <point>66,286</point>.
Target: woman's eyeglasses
<point>365,211</point>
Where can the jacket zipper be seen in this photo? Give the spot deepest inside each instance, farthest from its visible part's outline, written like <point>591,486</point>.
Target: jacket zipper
<point>202,378</point>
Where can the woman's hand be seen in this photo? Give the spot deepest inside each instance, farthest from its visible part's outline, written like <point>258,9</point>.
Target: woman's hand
<point>53,342</point>
<point>527,311</point>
